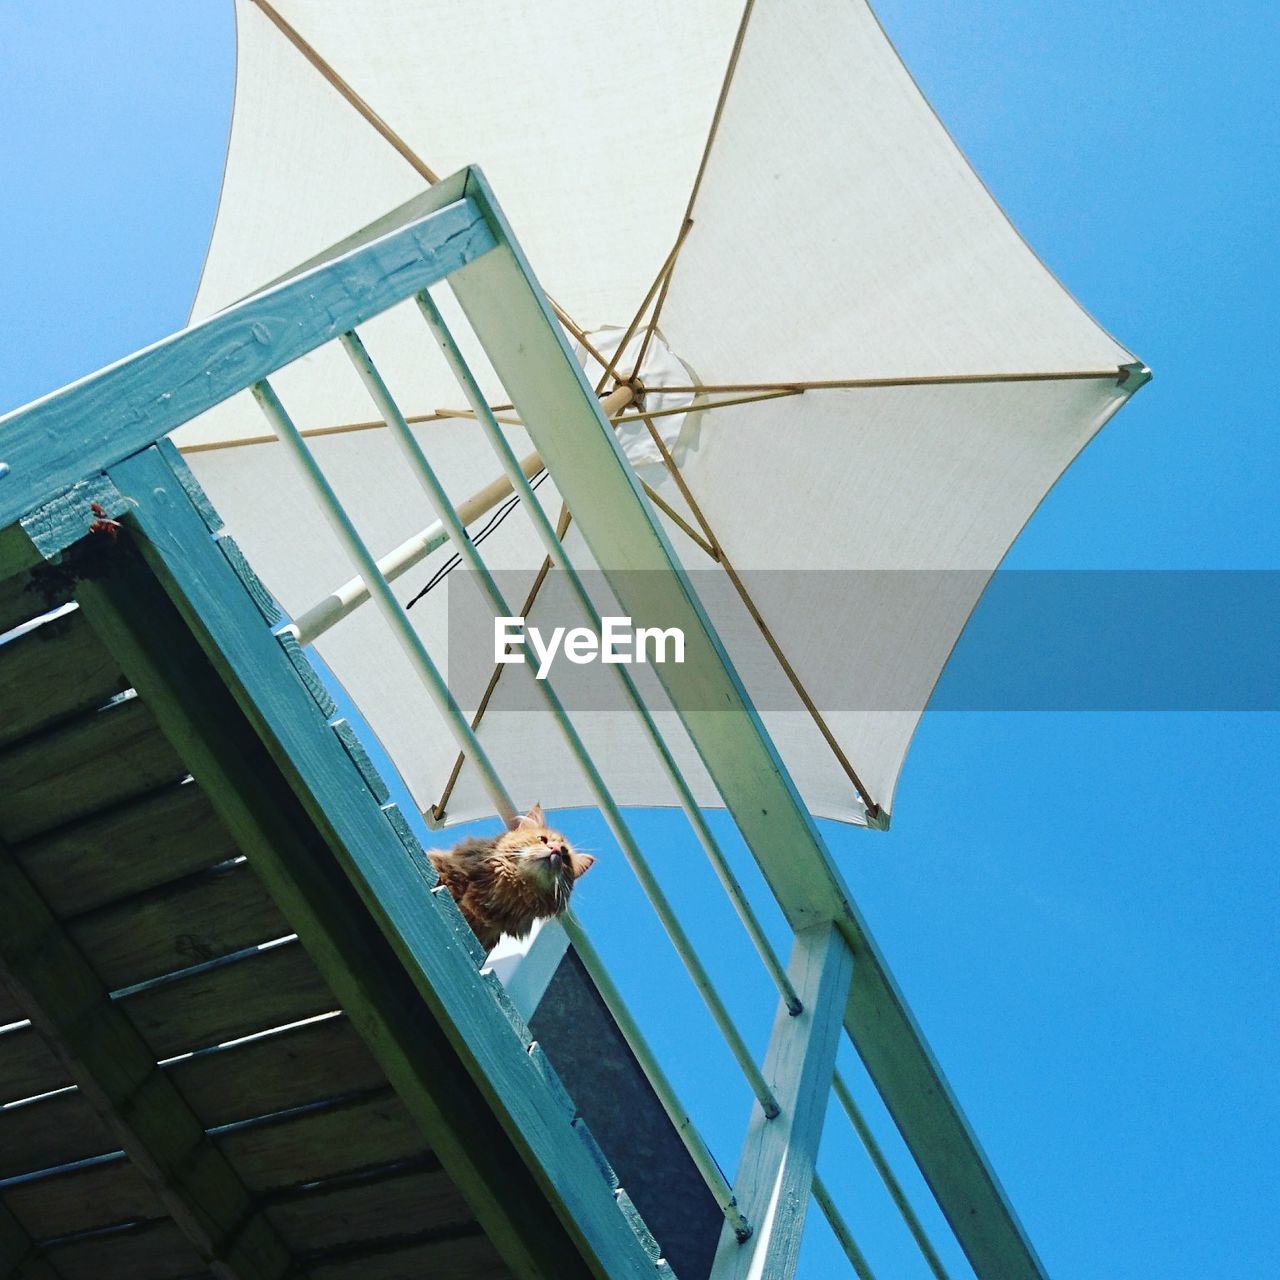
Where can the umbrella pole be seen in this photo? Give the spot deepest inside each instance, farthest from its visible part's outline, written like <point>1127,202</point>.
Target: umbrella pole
<point>312,624</point>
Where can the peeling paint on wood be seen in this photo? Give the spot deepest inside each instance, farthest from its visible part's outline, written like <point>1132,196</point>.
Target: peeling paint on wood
<point>354,748</point>
<point>307,674</point>
<point>65,519</point>
<point>254,587</point>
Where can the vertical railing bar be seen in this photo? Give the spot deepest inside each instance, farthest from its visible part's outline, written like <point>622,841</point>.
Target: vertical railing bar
<point>887,1176</point>
<point>408,638</point>
<point>840,1227</point>
<point>426,475</point>
<point>555,549</point>
<point>698,1151</point>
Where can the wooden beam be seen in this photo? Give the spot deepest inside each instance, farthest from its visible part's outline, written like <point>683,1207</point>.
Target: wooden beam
<point>16,556</point>
<point>118,1075</point>
<point>217,911</point>
<point>55,441</point>
<point>775,1172</point>
<point>563,419</point>
<point>145,1249</point>
<point>398,957</point>
<point>82,768</point>
<point>101,1193</point>
<point>327,1142</point>
<point>169,833</point>
<point>28,1066</point>
<point>19,1258</point>
<point>52,1131</point>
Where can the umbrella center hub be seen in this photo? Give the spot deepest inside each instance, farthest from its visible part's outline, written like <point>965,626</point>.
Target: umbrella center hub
<point>663,388</point>
<point>636,386</point>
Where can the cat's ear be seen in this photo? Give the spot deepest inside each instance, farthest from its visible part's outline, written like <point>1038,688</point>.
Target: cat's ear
<point>581,863</point>
<point>534,818</point>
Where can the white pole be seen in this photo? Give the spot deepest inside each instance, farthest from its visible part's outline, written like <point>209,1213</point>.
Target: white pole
<point>840,1228</point>
<point>310,626</point>
<point>892,1185</point>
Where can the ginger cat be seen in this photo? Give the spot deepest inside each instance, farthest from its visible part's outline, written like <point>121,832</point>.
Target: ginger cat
<point>504,883</point>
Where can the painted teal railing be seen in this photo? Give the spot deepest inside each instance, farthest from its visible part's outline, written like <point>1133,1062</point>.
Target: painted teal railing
<point>835,978</point>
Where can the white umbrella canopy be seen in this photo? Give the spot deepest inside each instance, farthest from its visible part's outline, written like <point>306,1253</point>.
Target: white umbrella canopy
<point>889,379</point>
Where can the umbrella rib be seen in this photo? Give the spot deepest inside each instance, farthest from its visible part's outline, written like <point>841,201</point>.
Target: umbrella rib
<point>660,502</point>
<point>622,414</point>
<point>720,103</point>
<point>753,393</point>
<point>873,809</point>
<point>506,419</point>
<point>659,281</point>
<point>652,327</point>
<point>386,132</point>
<point>575,329</point>
<point>920,380</point>
<point>438,809</point>
<point>312,55</point>
<point>339,429</point>
<point>725,84</point>
<point>778,394</point>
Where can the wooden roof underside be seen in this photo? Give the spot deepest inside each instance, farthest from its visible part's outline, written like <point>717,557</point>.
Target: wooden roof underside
<point>148,896</point>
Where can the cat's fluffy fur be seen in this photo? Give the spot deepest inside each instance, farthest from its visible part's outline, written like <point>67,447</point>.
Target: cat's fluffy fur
<point>504,883</point>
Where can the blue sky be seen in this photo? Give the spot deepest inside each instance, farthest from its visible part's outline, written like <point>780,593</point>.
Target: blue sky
<point>1081,908</point>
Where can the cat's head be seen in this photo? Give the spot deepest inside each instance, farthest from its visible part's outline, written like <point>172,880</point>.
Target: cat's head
<point>542,854</point>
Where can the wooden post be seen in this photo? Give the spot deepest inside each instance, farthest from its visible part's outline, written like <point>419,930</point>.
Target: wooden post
<point>775,1173</point>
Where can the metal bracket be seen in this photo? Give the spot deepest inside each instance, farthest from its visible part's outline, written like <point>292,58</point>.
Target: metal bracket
<point>1133,377</point>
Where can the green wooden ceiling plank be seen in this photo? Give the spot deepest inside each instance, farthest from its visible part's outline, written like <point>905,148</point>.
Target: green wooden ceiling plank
<point>56,671</point>
<point>19,1259</point>
<point>17,555</point>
